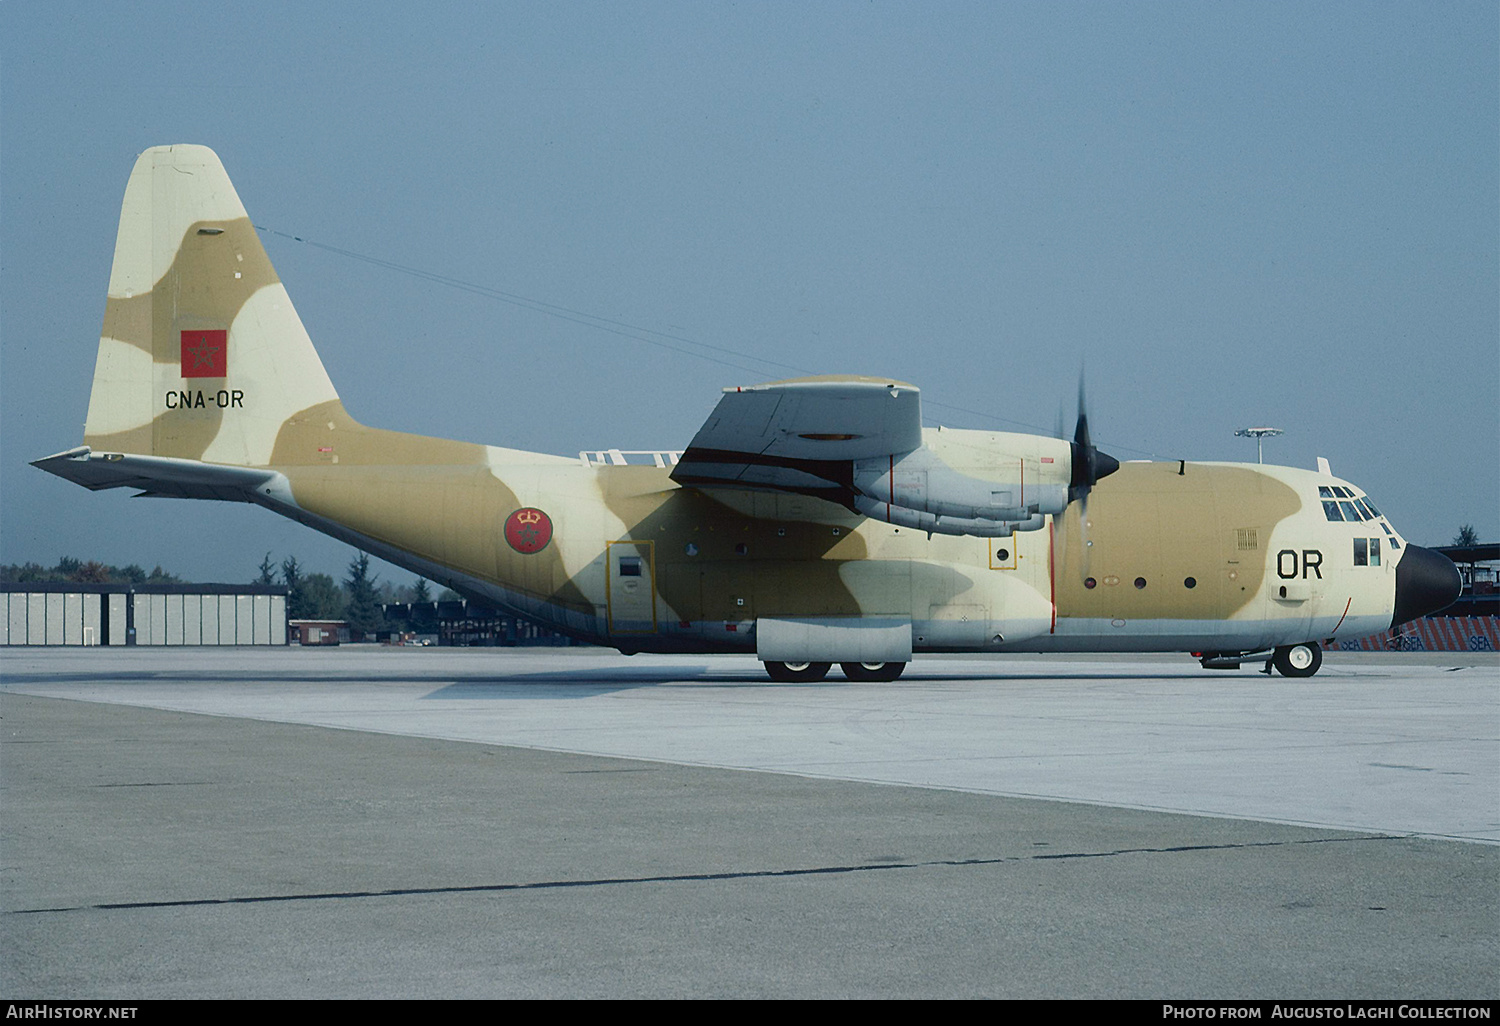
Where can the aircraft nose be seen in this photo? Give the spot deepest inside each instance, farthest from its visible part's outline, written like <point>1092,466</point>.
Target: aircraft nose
<point>1426,581</point>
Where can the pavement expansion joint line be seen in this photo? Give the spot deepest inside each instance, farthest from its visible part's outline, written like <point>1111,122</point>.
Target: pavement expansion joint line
<point>763,874</point>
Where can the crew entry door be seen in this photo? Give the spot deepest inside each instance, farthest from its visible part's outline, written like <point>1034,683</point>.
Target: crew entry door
<point>632,587</point>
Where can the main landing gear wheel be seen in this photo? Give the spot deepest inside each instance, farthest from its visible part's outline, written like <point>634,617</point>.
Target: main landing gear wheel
<point>1298,660</point>
<point>797,673</point>
<point>872,671</point>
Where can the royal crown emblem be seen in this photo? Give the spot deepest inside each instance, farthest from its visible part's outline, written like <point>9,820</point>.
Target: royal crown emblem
<point>528,530</point>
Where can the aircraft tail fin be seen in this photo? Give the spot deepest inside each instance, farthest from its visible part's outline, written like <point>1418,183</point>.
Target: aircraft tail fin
<point>202,356</point>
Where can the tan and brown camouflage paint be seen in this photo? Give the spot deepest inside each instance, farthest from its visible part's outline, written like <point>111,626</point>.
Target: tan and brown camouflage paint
<point>1149,521</point>
<point>207,284</point>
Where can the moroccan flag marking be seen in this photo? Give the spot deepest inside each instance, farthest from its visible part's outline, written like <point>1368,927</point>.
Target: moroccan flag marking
<point>205,353</point>
<point>528,530</point>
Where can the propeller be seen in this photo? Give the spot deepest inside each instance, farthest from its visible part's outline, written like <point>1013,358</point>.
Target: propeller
<point>1089,465</point>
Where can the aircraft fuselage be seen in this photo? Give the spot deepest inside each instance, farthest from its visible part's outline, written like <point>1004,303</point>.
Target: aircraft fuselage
<point>1175,557</point>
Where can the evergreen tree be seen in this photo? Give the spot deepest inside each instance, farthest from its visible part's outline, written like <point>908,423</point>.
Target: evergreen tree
<point>1466,536</point>
<point>363,610</point>
<point>321,598</point>
<point>267,571</point>
<point>296,599</point>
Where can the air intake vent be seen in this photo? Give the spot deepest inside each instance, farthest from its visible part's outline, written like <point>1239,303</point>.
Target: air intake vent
<point>1247,539</point>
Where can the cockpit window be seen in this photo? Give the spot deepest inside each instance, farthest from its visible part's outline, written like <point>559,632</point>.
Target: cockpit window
<point>1347,507</point>
<point>1367,552</point>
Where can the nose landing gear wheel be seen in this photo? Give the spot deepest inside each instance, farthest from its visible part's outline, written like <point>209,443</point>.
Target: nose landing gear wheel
<point>797,673</point>
<point>872,671</point>
<point>1298,660</point>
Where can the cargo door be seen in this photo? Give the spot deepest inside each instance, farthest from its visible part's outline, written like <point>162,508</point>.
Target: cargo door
<point>631,587</point>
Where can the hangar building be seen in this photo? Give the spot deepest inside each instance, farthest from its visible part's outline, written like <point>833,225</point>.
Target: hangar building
<point>69,613</point>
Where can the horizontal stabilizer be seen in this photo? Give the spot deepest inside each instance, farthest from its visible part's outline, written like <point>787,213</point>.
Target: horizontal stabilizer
<point>157,475</point>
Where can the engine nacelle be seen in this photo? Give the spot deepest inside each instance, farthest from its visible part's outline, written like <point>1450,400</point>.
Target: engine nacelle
<point>985,483</point>
<point>932,523</point>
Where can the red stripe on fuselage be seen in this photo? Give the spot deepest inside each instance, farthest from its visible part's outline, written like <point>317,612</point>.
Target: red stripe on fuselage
<point>1345,616</point>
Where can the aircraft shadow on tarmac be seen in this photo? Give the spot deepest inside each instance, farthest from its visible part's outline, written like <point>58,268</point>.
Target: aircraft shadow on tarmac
<point>587,682</point>
<point>571,684</point>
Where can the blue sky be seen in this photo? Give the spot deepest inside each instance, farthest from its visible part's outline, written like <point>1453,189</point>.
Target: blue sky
<point>1230,214</point>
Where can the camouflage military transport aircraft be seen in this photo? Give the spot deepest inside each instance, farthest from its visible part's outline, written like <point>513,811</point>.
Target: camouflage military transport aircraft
<point>812,521</point>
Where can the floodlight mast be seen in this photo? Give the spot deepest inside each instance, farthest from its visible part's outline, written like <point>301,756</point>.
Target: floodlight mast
<point>1258,433</point>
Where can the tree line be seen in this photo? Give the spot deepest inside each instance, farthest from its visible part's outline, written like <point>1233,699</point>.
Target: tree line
<point>77,571</point>
<point>357,600</point>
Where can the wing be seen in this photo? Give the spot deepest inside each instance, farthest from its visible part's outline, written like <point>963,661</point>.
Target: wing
<point>802,435</point>
<point>859,442</point>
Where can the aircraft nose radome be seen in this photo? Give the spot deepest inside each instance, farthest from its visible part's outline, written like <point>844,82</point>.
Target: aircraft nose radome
<point>1426,581</point>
